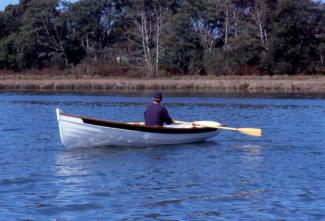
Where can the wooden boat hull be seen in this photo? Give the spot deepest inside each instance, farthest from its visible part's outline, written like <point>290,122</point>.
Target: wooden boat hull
<point>84,132</point>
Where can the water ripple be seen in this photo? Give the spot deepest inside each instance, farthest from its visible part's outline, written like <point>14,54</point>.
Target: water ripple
<point>232,177</point>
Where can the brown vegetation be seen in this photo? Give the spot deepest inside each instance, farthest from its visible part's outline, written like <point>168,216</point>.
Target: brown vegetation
<point>90,80</point>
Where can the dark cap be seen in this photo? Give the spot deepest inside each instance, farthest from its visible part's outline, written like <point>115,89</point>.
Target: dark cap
<point>157,94</point>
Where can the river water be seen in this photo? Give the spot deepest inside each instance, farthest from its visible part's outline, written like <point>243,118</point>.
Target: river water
<point>280,176</point>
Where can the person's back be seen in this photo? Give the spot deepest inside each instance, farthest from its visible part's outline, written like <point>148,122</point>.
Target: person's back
<point>156,114</point>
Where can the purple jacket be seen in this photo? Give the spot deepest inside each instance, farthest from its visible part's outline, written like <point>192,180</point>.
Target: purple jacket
<point>156,115</point>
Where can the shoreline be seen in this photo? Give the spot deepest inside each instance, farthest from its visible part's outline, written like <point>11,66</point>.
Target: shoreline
<point>223,84</point>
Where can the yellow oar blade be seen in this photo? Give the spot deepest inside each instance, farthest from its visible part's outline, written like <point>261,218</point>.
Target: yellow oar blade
<point>257,132</point>
<point>251,131</point>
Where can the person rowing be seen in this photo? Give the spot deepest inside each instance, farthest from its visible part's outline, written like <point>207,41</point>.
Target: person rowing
<point>156,114</point>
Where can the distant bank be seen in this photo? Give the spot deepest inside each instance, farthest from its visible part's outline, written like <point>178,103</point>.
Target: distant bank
<point>250,84</point>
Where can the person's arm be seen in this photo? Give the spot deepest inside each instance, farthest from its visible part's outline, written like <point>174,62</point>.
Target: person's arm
<point>167,118</point>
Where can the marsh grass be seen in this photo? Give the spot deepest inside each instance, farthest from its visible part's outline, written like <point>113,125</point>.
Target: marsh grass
<point>72,80</point>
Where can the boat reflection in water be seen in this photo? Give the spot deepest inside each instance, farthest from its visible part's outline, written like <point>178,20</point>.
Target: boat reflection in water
<point>250,173</point>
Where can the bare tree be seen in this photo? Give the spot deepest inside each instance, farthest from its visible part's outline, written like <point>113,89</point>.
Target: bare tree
<point>235,17</point>
<point>146,34</point>
<point>54,37</point>
<point>204,24</point>
<point>209,26</point>
<point>224,7</point>
<point>161,15</point>
<point>258,18</point>
<point>142,34</point>
<point>206,34</point>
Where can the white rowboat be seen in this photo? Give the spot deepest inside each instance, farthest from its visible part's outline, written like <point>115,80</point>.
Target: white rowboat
<point>84,132</point>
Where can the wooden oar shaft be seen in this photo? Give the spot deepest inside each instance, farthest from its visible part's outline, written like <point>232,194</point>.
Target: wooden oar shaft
<point>248,131</point>
<point>227,128</point>
<point>204,125</point>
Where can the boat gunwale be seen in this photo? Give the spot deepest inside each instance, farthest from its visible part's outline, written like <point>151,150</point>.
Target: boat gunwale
<point>139,127</point>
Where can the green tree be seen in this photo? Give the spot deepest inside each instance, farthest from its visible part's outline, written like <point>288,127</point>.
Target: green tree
<point>16,47</point>
<point>184,50</point>
<point>92,23</point>
<point>185,36</point>
<point>293,41</point>
<point>40,38</point>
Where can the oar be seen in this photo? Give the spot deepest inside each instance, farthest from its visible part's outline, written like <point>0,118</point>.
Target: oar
<point>257,132</point>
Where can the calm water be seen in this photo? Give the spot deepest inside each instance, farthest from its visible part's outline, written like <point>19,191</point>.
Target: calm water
<point>280,176</point>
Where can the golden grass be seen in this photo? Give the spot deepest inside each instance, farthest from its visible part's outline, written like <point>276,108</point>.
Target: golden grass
<point>62,82</point>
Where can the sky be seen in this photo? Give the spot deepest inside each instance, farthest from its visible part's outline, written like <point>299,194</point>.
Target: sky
<point>4,3</point>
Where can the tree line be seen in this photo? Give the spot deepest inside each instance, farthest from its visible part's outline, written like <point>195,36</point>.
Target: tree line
<point>158,36</point>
